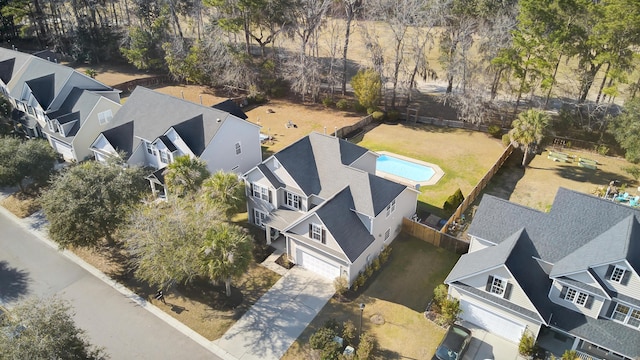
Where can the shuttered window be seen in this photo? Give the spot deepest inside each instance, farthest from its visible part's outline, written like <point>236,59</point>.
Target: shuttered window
<point>317,232</point>
<point>499,286</point>
<point>577,297</point>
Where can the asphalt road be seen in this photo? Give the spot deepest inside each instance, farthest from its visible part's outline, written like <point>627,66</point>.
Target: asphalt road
<point>30,267</point>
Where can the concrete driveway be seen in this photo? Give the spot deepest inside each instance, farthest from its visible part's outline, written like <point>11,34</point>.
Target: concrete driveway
<point>269,328</point>
<point>487,346</point>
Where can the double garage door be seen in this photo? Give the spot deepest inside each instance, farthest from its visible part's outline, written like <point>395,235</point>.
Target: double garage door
<point>491,322</point>
<point>317,265</point>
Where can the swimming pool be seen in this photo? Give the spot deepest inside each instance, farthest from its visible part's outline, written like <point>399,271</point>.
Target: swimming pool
<point>405,169</point>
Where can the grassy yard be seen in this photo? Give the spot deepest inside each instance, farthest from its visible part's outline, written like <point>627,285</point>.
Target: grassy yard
<point>536,186</point>
<point>464,156</point>
<point>399,294</point>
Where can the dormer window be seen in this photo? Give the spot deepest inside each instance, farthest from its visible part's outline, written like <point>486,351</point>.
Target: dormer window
<point>618,274</point>
<point>261,192</point>
<point>293,200</point>
<point>577,297</point>
<point>164,156</point>
<point>105,116</point>
<point>499,286</point>
<point>151,149</point>
<point>317,232</point>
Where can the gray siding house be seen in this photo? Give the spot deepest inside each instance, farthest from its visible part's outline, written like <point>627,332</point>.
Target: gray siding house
<point>322,197</point>
<point>569,276</point>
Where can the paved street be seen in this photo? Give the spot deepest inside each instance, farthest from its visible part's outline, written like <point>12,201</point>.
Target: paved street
<point>30,267</point>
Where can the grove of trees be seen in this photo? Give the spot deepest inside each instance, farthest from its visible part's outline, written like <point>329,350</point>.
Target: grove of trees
<point>485,50</point>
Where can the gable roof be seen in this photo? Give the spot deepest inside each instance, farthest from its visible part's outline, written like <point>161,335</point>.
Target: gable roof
<point>6,69</point>
<point>121,137</point>
<point>154,113</point>
<point>78,105</point>
<point>319,164</point>
<point>232,108</point>
<point>43,89</point>
<point>11,62</point>
<point>338,216</point>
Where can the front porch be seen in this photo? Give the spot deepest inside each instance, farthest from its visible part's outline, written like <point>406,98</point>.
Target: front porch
<point>554,343</point>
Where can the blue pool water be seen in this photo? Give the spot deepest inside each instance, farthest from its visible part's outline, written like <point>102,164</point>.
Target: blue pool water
<point>402,168</point>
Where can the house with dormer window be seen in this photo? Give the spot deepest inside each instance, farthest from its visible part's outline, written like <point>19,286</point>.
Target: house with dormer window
<point>55,102</point>
<point>321,197</point>
<point>152,129</point>
<point>570,277</point>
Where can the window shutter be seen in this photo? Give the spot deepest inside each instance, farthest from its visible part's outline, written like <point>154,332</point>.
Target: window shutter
<point>625,277</point>
<point>270,196</point>
<point>299,203</point>
<point>589,302</point>
<point>609,272</point>
<point>311,231</point>
<point>324,236</point>
<point>507,291</point>
<point>563,292</point>
<point>489,282</point>
<point>612,306</point>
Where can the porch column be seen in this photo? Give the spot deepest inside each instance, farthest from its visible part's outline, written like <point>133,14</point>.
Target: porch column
<point>267,229</point>
<point>153,188</point>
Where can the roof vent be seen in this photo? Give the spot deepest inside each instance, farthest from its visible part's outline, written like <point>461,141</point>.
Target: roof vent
<point>218,120</point>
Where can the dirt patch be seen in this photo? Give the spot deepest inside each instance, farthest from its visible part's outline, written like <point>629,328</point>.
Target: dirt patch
<point>112,74</point>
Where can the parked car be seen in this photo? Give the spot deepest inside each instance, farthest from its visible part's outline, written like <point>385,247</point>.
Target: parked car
<point>454,344</point>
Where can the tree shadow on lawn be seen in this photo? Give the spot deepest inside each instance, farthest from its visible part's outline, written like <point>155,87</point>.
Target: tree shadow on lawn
<point>504,182</point>
<point>581,174</point>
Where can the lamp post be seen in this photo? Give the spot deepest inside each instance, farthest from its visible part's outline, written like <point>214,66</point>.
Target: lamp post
<point>361,311</point>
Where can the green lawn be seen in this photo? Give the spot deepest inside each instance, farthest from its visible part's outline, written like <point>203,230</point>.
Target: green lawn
<point>464,156</point>
<point>399,293</point>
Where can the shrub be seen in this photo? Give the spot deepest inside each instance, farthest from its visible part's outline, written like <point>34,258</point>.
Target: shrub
<point>495,131</point>
<point>343,104</point>
<point>349,331</point>
<point>371,110</point>
<point>634,171</point>
<point>393,115</point>
<point>366,87</point>
<point>328,101</point>
<point>340,284</point>
<point>453,201</point>
<point>367,347</point>
<point>384,254</point>
<point>360,280</point>
<point>368,271</point>
<point>323,340</point>
<point>570,355</point>
<point>359,108</point>
<point>258,98</point>
<point>526,345</point>
<point>378,116</point>
<point>449,310</point>
<point>440,294</point>
<point>333,325</point>
<point>375,264</point>
<point>506,140</point>
<point>603,150</point>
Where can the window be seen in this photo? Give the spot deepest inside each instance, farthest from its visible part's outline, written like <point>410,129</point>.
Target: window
<point>105,116</point>
<point>261,192</point>
<point>50,125</point>
<point>293,200</point>
<point>258,217</point>
<point>387,234</point>
<point>30,110</point>
<point>317,232</point>
<point>238,148</point>
<point>626,315</point>
<point>164,156</point>
<point>391,207</point>
<point>497,286</point>
<point>151,149</point>
<point>576,297</point>
<point>617,274</point>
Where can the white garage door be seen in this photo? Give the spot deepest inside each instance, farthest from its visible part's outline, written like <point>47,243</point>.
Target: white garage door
<point>318,266</point>
<point>62,149</point>
<point>491,322</point>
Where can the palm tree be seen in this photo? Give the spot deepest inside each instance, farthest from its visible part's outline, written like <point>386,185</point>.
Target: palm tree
<point>528,129</point>
<point>225,191</point>
<point>185,175</point>
<point>227,253</point>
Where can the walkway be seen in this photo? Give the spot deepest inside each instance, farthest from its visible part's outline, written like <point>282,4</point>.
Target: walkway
<point>269,328</point>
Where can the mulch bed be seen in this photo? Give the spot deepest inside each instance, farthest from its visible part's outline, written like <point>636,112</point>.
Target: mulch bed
<point>214,296</point>
<point>284,262</point>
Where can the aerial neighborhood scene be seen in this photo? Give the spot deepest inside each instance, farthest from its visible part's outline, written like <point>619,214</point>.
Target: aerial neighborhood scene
<point>320,179</point>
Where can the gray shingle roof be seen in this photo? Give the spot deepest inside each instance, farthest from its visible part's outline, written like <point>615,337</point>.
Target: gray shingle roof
<point>121,138</point>
<point>154,113</point>
<point>603,332</point>
<point>316,164</point>
<point>231,107</point>
<point>343,223</point>
<point>269,175</point>
<point>497,300</point>
<point>77,106</point>
<point>165,140</point>
<point>6,69</point>
<point>43,89</point>
<point>12,62</point>
<point>580,285</point>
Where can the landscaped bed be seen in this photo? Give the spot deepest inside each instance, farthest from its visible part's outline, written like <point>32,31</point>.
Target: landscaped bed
<point>395,300</point>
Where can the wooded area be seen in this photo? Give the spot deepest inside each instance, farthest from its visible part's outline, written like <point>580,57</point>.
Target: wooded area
<point>489,52</point>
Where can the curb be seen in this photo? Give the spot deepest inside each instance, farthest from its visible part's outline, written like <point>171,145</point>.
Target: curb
<point>185,330</point>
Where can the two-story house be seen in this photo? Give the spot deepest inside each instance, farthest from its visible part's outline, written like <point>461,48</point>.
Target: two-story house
<point>571,276</point>
<point>151,129</point>
<point>322,196</point>
<point>56,102</point>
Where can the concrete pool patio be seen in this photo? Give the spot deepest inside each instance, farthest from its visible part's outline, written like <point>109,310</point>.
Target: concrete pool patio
<point>437,171</point>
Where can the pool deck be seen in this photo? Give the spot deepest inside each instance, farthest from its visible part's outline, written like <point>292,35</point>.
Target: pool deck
<point>437,171</point>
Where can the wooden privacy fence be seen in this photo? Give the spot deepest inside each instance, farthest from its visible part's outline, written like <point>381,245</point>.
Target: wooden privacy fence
<point>128,86</point>
<point>343,131</point>
<point>434,236</point>
<point>473,195</point>
<point>451,123</point>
